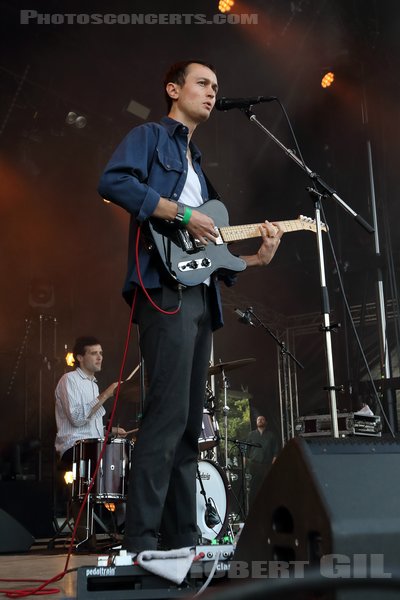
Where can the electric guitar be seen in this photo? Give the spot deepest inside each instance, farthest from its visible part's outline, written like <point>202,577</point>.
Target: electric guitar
<point>190,262</point>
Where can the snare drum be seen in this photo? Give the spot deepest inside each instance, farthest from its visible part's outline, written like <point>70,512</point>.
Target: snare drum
<point>209,437</point>
<point>111,482</point>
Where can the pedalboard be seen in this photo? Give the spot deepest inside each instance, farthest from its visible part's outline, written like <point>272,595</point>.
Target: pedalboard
<point>130,582</point>
<point>214,551</point>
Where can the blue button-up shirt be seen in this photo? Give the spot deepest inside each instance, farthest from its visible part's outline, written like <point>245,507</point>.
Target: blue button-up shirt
<point>149,163</point>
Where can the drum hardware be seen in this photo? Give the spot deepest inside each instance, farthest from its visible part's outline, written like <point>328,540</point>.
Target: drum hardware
<point>242,447</point>
<point>225,412</point>
<point>91,518</point>
<point>222,368</point>
<point>211,455</point>
<point>209,399</point>
<point>209,437</point>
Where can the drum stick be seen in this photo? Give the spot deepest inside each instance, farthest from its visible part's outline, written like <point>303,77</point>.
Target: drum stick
<point>132,431</point>
<point>95,408</point>
<point>133,372</point>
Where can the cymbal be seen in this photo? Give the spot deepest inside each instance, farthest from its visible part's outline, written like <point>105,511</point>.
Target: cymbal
<point>229,366</point>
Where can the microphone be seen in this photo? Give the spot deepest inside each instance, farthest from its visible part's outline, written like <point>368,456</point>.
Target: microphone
<point>229,103</point>
<point>211,516</point>
<point>245,317</point>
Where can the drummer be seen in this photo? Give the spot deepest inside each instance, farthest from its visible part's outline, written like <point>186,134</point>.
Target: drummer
<point>79,407</point>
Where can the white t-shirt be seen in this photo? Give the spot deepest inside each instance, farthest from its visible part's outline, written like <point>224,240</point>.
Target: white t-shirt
<point>191,194</point>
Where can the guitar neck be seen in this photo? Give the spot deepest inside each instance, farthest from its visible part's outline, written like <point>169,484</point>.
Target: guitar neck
<point>244,232</point>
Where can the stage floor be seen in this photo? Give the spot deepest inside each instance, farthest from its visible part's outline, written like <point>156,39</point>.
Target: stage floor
<point>44,564</point>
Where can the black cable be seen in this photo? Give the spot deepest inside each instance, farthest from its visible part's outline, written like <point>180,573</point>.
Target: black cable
<point>314,184</point>
<point>348,311</point>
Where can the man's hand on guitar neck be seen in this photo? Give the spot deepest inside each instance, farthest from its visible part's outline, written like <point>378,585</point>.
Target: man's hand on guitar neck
<point>271,237</point>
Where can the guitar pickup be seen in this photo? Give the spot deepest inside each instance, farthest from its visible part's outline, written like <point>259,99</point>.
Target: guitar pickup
<point>188,243</point>
<point>191,265</point>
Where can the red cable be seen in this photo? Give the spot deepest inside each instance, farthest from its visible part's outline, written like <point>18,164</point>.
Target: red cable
<point>40,589</point>
<point>154,305</point>
<point>109,427</point>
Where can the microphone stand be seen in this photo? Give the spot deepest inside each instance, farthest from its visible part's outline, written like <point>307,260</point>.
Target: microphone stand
<point>327,191</point>
<point>242,446</point>
<point>285,353</point>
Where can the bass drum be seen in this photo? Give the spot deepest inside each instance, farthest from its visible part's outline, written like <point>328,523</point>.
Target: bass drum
<point>212,511</point>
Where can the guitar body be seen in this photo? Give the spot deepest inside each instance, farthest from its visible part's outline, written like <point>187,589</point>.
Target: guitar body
<point>191,263</point>
<point>185,259</point>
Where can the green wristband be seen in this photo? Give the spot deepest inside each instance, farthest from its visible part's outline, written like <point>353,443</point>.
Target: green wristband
<point>186,215</point>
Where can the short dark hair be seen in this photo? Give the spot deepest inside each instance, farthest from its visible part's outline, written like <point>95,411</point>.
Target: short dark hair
<point>177,74</point>
<point>80,345</point>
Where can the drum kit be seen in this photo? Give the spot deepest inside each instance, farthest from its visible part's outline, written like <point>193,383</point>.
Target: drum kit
<point>213,480</point>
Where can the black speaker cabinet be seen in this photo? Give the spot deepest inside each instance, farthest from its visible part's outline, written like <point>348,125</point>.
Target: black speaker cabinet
<point>31,504</point>
<point>13,536</point>
<point>334,504</point>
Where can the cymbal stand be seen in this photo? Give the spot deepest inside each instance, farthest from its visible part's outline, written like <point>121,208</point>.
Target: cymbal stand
<point>244,505</point>
<point>225,411</point>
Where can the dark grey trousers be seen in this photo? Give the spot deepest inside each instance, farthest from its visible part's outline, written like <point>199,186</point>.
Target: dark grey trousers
<point>162,481</point>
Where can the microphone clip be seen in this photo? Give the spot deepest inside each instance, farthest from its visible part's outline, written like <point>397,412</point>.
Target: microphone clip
<point>245,316</point>
<point>211,516</point>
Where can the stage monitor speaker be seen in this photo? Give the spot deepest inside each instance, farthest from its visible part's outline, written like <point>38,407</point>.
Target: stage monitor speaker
<point>31,504</point>
<point>325,497</point>
<point>13,536</point>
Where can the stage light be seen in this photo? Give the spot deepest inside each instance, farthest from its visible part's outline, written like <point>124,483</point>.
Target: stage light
<point>225,5</point>
<point>69,359</point>
<point>69,477</point>
<point>71,118</point>
<point>327,79</point>
<point>110,506</point>
<point>80,122</point>
<point>75,120</point>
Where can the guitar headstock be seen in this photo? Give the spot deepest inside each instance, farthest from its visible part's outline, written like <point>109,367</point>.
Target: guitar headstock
<point>310,224</point>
